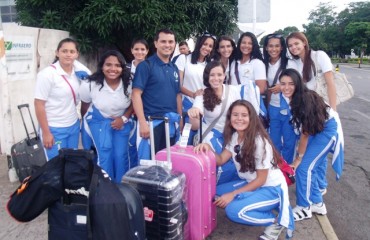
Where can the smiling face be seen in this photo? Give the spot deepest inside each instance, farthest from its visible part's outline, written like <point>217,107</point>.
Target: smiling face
<point>112,69</point>
<point>67,53</point>
<point>206,48</point>
<point>239,118</point>
<point>139,51</point>
<point>287,86</point>
<point>225,48</point>
<point>165,45</point>
<point>274,48</point>
<point>296,47</point>
<point>246,45</point>
<point>216,77</point>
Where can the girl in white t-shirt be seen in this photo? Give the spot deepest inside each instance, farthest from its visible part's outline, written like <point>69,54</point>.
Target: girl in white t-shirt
<point>225,53</point>
<point>191,69</point>
<point>308,62</point>
<point>106,107</point>
<point>263,189</point>
<point>321,133</point>
<point>210,105</point>
<point>56,98</point>
<point>248,64</point>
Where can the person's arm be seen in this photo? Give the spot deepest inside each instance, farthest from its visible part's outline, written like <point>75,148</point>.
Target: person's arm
<point>259,181</point>
<point>47,137</point>
<point>301,150</point>
<point>139,111</point>
<point>179,109</point>
<point>220,158</point>
<point>332,92</point>
<point>194,118</point>
<point>262,85</point>
<point>84,107</point>
<point>118,121</point>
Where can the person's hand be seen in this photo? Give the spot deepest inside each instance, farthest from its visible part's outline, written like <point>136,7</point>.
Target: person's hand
<point>117,123</point>
<point>48,139</point>
<point>144,129</point>
<point>198,92</point>
<point>202,147</point>
<point>224,200</point>
<point>193,112</point>
<point>296,163</point>
<point>275,89</point>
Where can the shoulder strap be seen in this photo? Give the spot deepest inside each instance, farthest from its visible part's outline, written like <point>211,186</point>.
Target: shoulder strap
<point>276,75</point>
<point>236,72</point>
<point>65,79</point>
<point>223,107</point>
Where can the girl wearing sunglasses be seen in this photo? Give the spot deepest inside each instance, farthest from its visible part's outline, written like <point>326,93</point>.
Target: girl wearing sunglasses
<point>263,189</point>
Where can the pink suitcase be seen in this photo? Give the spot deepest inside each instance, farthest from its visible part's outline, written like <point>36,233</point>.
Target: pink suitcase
<point>200,172</point>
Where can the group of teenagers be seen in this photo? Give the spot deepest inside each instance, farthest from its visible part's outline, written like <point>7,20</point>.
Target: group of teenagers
<point>224,86</point>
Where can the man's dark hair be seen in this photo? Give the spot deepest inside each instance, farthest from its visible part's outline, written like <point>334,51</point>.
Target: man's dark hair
<point>183,43</point>
<point>164,30</point>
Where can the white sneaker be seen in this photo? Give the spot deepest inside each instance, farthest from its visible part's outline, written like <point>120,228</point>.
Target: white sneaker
<point>271,232</point>
<point>301,213</point>
<point>319,208</point>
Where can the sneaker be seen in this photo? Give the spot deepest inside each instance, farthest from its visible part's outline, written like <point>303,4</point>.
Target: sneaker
<point>319,208</point>
<point>272,232</point>
<point>323,191</point>
<point>301,213</point>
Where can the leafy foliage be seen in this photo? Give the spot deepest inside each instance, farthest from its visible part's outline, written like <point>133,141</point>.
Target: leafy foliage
<point>101,23</point>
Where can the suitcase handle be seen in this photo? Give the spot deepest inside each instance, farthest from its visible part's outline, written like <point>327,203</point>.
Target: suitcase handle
<point>26,105</point>
<point>167,134</point>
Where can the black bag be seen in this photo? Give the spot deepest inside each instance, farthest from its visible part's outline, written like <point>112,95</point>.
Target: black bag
<point>37,192</point>
<point>28,155</point>
<point>116,210</point>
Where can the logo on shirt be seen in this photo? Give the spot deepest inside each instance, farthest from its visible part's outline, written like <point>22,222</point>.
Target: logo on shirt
<point>176,76</point>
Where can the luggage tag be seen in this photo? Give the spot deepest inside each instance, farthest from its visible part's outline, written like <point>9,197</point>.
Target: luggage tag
<point>185,135</point>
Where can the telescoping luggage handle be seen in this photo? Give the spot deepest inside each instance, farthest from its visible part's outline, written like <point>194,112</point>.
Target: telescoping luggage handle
<point>24,123</point>
<point>167,133</point>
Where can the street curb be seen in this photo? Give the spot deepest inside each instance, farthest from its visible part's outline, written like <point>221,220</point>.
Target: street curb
<point>326,227</point>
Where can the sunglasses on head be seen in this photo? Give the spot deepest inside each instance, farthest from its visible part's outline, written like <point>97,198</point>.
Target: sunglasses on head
<point>207,34</point>
<point>274,35</point>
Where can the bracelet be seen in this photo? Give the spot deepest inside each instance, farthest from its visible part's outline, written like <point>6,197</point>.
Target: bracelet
<point>300,155</point>
<point>124,119</point>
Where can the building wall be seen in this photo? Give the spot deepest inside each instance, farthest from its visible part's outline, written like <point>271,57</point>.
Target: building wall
<point>7,11</point>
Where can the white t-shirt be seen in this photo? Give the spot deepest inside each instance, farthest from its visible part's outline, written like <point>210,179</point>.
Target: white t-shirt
<point>51,87</point>
<point>323,61</point>
<point>209,117</point>
<point>250,70</point>
<point>263,161</point>
<point>111,103</point>
<point>193,73</point>
<point>275,97</point>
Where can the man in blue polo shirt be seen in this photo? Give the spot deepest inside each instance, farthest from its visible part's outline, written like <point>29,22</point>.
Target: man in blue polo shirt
<point>156,88</point>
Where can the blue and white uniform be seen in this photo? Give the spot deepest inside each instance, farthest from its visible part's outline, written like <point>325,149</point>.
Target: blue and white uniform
<point>325,65</point>
<point>281,131</point>
<point>226,172</point>
<point>318,147</point>
<point>257,207</point>
<point>59,90</point>
<point>111,145</point>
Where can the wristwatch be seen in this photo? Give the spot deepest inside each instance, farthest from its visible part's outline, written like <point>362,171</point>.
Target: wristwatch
<point>124,119</point>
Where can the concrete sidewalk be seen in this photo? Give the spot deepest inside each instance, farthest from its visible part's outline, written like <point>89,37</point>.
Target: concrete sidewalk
<point>317,228</point>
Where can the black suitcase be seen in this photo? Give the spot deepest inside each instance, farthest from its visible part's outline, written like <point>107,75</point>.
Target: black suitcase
<point>162,192</point>
<point>27,155</point>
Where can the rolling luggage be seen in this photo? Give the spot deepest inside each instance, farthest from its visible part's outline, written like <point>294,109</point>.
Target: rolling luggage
<point>161,192</point>
<point>200,172</point>
<point>27,155</point>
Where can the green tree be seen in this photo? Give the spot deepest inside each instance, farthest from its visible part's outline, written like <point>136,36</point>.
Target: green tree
<point>358,35</point>
<point>100,23</point>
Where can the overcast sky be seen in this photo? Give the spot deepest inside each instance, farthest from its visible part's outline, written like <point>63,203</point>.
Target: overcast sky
<point>286,13</point>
